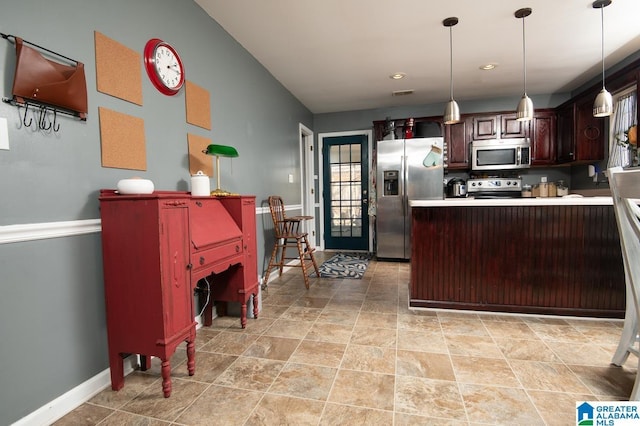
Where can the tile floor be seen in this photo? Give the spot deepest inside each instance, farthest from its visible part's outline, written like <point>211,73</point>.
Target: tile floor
<point>350,352</point>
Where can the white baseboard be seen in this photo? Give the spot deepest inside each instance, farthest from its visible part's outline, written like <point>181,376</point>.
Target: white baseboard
<point>74,398</point>
<point>82,393</point>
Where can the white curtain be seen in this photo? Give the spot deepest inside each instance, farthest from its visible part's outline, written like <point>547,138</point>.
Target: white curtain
<point>624,116</point>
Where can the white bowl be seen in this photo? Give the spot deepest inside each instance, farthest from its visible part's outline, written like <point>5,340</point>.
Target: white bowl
<point>135,186</point>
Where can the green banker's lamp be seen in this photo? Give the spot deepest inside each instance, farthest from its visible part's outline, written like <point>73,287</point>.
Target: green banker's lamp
<point>220,151</point>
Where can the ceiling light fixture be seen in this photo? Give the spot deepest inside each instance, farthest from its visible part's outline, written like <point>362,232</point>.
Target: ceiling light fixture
<point>488,67</point>
<point>603,105</point>
<point>525,106</point>
<point>397,76</point>
<point>451,111</point>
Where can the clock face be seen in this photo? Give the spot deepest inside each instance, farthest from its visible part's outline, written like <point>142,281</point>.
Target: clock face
<point>164,66</point>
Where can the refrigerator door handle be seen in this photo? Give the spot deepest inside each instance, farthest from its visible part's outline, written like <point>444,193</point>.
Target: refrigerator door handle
<point>405,175</point>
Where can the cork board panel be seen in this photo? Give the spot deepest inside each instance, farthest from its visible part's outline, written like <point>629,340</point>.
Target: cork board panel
<point>197,159</point>
<point>118,70</point>
<point>197,105</point>
<point>122,140</point>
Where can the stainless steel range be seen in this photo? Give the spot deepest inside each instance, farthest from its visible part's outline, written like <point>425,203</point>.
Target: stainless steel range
<point>494,187</point>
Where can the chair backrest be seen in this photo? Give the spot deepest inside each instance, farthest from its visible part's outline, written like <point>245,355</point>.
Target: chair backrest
<point>625,190</point>
<point>276,206</point>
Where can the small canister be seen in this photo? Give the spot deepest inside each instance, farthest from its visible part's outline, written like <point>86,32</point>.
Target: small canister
<point>200,185</point>
<point>527,191</point>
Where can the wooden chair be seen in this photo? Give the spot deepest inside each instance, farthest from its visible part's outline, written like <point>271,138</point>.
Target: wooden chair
<point>625,189</point>
<point>288,237</point>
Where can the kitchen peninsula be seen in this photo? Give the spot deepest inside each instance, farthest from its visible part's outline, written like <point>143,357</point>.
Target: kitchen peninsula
<point>556,256</point>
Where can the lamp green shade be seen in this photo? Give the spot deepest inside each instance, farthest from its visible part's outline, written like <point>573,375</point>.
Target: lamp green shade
<point>221,150</point>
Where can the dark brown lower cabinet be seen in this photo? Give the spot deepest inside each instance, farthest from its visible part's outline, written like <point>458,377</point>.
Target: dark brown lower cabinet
<point>562,260</point>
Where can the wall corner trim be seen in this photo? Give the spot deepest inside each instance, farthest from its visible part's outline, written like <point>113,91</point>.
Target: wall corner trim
<point>41,231</point>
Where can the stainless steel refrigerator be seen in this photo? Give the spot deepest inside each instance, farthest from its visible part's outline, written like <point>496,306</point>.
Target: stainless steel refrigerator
<point>407,169</point>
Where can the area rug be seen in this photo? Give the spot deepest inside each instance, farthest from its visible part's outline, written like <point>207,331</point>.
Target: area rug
<point>344,265</point>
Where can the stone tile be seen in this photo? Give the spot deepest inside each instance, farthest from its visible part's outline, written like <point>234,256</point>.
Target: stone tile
<point>250,373</point>
<point>387,307</point>
<point>230,343</point>
<point>293,329</point>
<point>277,348</point>
<point>120,418</point>
<point>208,367</point>
<point>559,333</point>
<point>609,380</point>
<point>335,414</point>
<point>558,408</point>
<point>382,337</point>
<point>425,365</point>
<point>370,358</point>
<point>152,403</point>
<point>363,389</point>
<point>304,381</point>
<point>280,299</point>
<point>581,354</point>
<point>464,326</point>
<point>429,398</point>
<point>423,323</point>
<point>344,317</point>
<point>326,332</point>
<point>254,325</point>
<point>549,376</point>
<point>510,330</point>
<point>483,370</point>
<point>312,302</point>
<point>86,414</point>
<point>422,341</point>
<point>482,346</point>
<point>272,311</point>
<point>228,406</point>
<point>345,304</point>
<point>499,405</point>
<point>319,353</point>
<point>134,384</point>
<point>301,313</point>
<point>204,335</point>
<point>528,350</point>
<point>372,319</point>
<point>285,410</point>
<point>601,335</point>
<point>403,419</point>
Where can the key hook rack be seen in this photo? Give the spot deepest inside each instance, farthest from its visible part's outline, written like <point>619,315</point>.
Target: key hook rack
<point>68,79</point>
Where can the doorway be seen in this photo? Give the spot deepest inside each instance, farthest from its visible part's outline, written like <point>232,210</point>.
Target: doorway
<point>307,188</point>
<point>345,190</point>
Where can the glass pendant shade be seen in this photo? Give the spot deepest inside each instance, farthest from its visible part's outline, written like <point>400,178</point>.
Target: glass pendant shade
<point>451,110</point>
<point>603,105</point>
<point>451,113</point>
<point>525,106</point>
<point>525,109</point>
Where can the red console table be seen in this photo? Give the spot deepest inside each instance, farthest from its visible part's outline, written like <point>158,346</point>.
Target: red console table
<point>156,248</point>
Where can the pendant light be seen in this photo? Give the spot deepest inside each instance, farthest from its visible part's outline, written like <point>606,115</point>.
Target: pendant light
<point>525,106</point>
<point>603,105</point>
<point>451,111</point>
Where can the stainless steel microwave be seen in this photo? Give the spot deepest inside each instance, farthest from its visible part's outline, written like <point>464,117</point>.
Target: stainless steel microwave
<point>500,154</point>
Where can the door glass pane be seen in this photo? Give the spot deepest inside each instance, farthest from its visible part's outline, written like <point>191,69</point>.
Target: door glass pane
<point>346,191</point>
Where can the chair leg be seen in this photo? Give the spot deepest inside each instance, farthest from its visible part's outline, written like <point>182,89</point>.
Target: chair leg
<point>272,263</point>
<point>302,263</point>
<point>313,258</point>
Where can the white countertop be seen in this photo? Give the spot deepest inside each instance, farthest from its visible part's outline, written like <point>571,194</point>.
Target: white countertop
<point>570,200</point>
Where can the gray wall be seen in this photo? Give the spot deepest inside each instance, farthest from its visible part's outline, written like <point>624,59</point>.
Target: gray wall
<point>52,321</point>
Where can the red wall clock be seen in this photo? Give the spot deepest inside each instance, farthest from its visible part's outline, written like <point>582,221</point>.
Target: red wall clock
<point>164,66</point>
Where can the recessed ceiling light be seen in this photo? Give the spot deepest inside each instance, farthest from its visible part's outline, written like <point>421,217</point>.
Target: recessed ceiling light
<point>487,67</point>
<point>397,76</point>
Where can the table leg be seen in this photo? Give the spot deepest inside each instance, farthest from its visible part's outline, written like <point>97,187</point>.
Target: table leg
<point>166,378</point>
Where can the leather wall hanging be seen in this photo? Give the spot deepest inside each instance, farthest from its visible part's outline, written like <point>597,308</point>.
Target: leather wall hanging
<point>47,83</point>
